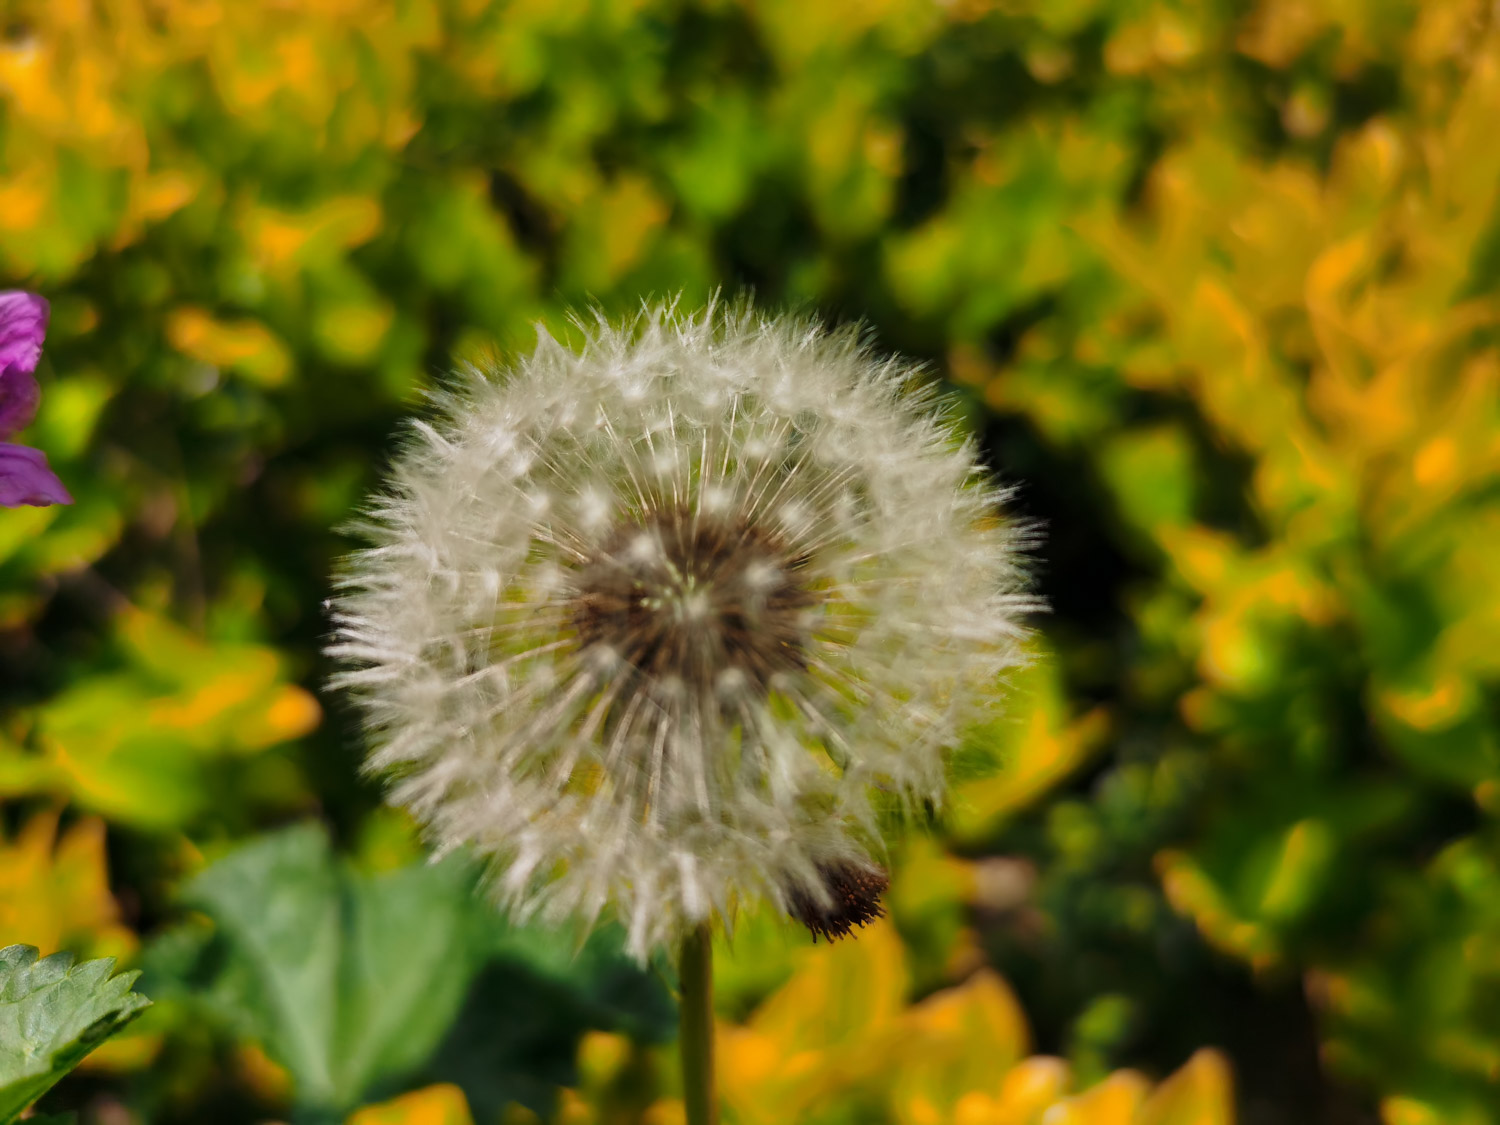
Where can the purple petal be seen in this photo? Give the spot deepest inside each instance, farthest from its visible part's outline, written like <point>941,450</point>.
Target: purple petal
<point>26,479</point>
<point>23,325</point>
<point>19,394</point>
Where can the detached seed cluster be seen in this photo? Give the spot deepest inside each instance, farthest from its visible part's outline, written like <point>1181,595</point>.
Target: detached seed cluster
<point>852,898</point>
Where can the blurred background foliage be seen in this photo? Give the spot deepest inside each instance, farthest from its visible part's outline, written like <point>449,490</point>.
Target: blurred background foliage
<point>1217,283</point>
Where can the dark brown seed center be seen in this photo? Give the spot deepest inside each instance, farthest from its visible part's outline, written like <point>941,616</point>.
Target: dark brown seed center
<point>854,894</point>
<point>690,597</point>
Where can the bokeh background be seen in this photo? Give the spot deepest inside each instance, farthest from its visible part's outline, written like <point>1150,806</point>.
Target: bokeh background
<point>1216,282</point>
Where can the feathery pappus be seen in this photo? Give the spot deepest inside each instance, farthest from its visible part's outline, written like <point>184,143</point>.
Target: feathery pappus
<point>672,621</point>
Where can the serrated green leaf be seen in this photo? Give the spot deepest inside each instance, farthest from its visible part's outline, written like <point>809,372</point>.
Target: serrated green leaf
<point>52,1014</point>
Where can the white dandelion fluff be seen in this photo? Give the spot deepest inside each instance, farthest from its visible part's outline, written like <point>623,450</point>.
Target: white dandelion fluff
<point>671,622</point>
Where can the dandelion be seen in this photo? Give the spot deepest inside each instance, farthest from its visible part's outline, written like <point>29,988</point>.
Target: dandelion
<point>25,477</point>
<point>680,620</point>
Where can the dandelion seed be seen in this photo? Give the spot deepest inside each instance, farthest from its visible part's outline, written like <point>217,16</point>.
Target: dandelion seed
<point>673,622</point>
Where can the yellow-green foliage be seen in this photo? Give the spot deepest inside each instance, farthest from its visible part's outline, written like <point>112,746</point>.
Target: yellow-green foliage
<point>1330,317</point>
<point>54,890</point>
<point>838,1042</point>
<point>1219,282</point>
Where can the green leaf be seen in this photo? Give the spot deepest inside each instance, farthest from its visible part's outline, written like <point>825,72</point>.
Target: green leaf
<point>360,985</point>
<point>344,978</point>
<point>52,1014</point>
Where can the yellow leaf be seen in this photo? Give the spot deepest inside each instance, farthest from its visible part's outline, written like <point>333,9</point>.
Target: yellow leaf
<point>285,240</point>
<point>929,878</point>
<point>981,1017</point>
<point>953,1048</point>
<point>24,197</point>
<point>1299,869</point>
<point>826,1030</point>
<point>747,1060</point>
<point>842,992</point>
<point>1030,1089</point>
<point>1191,891</point>
<point>630,213</point>
<point>1336,270</point>
<point>54,893</point>
<point>1409,1111</point>
<point>351,332</point>
<point>262,1074</point>
<point>1204,557</point>
<point>245,346</point>
<point>1200,1093</point>
<point>237,684</point>
<point>290,713</point>
<point>572,1110</point>
<point>1429,706</point>
<point>1115,1101</point>
<point>153,198</point>
<point>120,1054</point>
<point>667,1111</point>
<point>435,1105</point>
<point>601,1054</point>
<point>131,744</point>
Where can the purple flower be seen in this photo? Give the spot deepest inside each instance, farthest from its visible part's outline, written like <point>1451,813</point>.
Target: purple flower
<point>24,475</point>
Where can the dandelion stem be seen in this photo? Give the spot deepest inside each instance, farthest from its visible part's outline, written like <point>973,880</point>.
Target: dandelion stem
<point>696,1026</point>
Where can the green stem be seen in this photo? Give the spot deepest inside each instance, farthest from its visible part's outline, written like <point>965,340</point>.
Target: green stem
<point>696,1027</point>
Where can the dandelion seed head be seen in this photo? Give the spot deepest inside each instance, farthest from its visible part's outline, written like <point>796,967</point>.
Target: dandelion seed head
<point>667,622</point>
